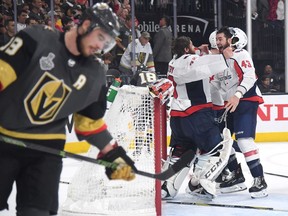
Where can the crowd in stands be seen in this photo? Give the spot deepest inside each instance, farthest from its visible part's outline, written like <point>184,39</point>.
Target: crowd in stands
<point>268,36</point>
<point>30,12</point>
<point>266,11</point>
<point>271,81</point>
<point>66,13</point>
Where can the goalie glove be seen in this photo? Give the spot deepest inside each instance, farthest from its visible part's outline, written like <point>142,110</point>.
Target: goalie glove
<point>162,89</point>
<point>125,168</point>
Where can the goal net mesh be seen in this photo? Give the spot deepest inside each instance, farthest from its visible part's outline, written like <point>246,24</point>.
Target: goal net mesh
<point>130,120</point>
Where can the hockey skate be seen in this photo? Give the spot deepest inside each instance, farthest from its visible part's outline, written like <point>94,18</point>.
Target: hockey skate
<point>235,183</point>
<point>198,191</point>
<point>224,176</point>
<point>259,188</point>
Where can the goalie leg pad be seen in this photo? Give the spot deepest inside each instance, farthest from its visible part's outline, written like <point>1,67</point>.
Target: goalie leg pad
<point>171,186</point>
<point>208,167</point>
<point>215,164</point>
<point>196,186</point>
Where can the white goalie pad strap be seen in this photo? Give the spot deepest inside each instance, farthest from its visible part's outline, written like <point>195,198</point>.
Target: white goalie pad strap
<point>226,134</point>
<point>168,161</point>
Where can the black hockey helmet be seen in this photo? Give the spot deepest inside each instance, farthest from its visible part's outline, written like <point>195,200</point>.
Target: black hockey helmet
<point>101,15</point>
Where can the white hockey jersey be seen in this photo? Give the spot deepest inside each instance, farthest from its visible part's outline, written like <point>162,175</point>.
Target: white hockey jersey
<point>239,76</point>
<point>190,75</point>
<point>143,56</point>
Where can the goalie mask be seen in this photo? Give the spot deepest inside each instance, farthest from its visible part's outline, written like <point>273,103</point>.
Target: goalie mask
<point>101,16</point>
<point>162,89</point>
<point>212,40</point>
<point>239,38</point>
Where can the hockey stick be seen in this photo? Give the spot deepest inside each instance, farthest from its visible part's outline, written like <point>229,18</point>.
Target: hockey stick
<point>176,167</point>
<point>275,174</point>
<point>64,182</point>
<point>227,205</point>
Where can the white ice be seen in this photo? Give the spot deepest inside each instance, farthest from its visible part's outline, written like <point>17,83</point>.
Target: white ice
<point>274,157</point>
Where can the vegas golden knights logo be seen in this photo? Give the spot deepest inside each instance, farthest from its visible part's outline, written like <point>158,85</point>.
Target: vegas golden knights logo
<point>46,99</point>
<point>142,57</point>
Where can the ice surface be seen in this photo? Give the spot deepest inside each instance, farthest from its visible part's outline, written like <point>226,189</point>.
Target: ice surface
<point>274,157</point>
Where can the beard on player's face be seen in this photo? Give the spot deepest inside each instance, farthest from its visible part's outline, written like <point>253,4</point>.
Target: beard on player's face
<point>224,46</point>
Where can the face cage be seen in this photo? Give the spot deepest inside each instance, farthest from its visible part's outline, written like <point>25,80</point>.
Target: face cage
<point>109,45</point>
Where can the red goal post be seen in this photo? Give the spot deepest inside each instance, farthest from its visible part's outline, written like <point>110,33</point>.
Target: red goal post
<point>138,122</point>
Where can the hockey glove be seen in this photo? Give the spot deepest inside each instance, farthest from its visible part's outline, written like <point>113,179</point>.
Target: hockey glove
<point>125,168</point>
<point>162,89</point>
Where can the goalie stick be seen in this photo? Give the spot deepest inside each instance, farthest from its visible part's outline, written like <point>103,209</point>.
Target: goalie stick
<point>180,164</point>
<point>226,205</point>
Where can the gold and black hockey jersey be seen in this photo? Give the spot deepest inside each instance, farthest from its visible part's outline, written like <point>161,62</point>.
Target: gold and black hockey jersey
<point>42,83</point>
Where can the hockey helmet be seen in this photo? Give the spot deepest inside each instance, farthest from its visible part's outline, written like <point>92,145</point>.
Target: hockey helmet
<point>239,38</point>
<point>102,16</point>
<point>212,40</point>
<point>162,88</point>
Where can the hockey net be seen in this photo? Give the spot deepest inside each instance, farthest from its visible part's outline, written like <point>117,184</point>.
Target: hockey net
<point>138,123</point>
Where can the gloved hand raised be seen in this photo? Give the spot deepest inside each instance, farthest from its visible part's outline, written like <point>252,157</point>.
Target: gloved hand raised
<point>125,168</point>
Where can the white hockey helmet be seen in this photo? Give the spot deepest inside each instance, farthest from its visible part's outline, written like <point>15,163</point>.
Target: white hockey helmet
<point>239,38</point>
<point>212,40</point>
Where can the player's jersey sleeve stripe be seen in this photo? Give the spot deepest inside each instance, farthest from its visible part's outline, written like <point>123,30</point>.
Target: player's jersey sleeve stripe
<point>87,126</point>
<point>238,71</point>
<point>93,131</point>
<point>32,136</point>
<point>7,75</point>
<point>150,64</point>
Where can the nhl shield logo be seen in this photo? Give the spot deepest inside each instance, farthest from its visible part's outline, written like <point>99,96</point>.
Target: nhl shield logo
<point>46,63</point>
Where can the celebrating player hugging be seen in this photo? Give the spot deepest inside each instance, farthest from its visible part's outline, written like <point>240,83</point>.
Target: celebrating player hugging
<point>192,121</point>
<point>238,91</point>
